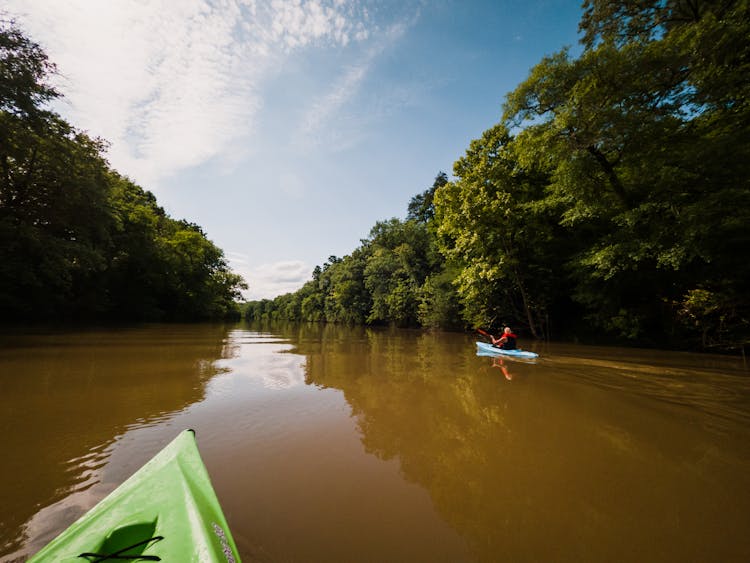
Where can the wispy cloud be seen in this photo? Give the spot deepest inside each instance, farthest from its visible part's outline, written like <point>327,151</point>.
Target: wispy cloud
<point>323,108</point>
<point>315,128</point>
<point>175,84</point>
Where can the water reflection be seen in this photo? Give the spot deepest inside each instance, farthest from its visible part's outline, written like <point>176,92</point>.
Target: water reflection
<point>577,460</point>
<point>500,364</point>
<point>329,443</point>
<point>66,396</point>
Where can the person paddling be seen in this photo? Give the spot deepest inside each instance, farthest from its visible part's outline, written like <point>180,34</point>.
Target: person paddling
<point>506,342</point>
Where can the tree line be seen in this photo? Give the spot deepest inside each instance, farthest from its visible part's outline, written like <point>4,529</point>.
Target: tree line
<point>611,200</point>
<point>77,239</point>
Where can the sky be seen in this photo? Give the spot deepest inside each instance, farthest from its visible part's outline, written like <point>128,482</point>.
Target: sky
<point>287,128</point>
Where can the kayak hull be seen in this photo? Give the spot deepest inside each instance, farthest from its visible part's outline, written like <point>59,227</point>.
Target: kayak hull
<point>489,349</point>
<point>167,510</point>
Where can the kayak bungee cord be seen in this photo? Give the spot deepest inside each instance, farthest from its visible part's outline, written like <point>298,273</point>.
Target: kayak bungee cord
<point>118,554</point>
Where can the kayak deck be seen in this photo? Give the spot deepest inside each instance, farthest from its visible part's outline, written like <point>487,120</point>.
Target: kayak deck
<point>489,349</point>
<point>166,511</point>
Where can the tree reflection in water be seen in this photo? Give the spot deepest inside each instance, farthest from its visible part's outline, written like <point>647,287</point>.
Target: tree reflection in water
<point>557,466</point>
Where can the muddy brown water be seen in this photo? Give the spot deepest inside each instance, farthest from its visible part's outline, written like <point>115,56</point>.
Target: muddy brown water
<point>352,444</point>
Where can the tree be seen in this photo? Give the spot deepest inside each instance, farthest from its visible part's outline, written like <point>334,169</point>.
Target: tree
<point>439,303</point>
<point>76,238</point>
<point>421,207</point>
<point>54,218</point>
<point>492,230</point>
<point>396,276</point>
<point>24,73</point>
<point>401,258</point>
<point>348,300</point>
<point>645,138</point>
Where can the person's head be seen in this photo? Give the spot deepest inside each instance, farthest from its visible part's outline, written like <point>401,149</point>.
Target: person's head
<point>507,330</point>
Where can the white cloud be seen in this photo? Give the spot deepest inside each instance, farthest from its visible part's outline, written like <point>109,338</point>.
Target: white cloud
<point>296,23</point>
<point>172,84</point>
<point>291,185</point>
<point>270,280</point>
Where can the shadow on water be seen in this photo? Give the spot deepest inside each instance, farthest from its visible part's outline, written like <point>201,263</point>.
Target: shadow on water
<point>67,396</point>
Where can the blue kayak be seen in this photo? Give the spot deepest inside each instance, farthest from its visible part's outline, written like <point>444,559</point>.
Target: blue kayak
<point>489,349</point>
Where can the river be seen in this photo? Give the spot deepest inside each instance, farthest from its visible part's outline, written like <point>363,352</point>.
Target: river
<point>328,443</point>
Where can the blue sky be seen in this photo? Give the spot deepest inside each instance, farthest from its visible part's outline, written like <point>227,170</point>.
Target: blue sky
<point>287,128</point>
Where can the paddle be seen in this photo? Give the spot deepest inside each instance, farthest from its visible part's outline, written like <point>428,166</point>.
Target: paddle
<point>480,331</point>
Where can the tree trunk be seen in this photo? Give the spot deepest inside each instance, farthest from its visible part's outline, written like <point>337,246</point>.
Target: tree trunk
<point>609,170</point>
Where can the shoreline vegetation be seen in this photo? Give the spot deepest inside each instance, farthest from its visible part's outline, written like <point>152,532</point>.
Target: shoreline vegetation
<point>610,203</point>
<point>79,241</point>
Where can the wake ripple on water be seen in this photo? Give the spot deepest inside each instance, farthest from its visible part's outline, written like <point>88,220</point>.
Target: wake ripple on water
<point>722,394</point>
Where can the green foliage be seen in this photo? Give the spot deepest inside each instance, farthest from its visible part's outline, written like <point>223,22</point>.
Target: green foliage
<point>24,72</point>
<point>421,207</point>
<point>394,277</point>
<point>439,305</point>
<point>54,219</point>
<point>76,239</point>
<point>396,268</point>
<point>348,300</point>
<point>493,231</point>
<point>645,136</point>
<point>611,201</point>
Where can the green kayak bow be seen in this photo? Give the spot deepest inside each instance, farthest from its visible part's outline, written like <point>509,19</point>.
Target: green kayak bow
<point>167,511</point>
